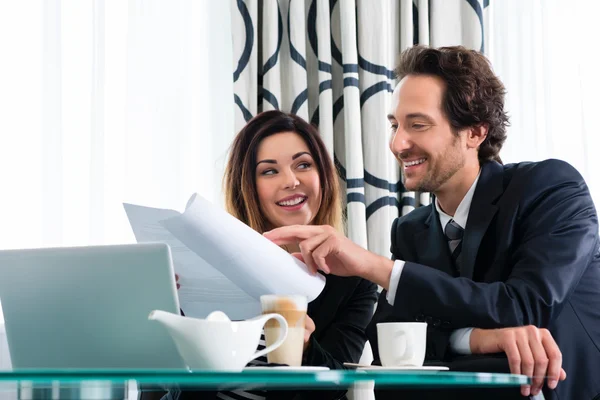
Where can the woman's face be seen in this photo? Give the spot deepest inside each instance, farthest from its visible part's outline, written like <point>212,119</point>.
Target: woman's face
<point>287,180</point>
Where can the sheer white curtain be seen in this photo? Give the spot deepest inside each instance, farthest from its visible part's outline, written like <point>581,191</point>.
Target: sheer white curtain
<point>104,102</point>
<point>546,53</point>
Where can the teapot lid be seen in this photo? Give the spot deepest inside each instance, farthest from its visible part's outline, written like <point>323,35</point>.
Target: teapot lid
<point>218,316</point>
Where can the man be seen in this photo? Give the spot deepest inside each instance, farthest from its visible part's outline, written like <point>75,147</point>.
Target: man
<point>501,246</point>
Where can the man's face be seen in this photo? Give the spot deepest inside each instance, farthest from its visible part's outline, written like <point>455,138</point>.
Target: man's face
<point>429,151</point>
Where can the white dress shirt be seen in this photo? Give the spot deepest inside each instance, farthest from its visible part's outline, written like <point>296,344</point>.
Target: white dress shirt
<point>459,339</point>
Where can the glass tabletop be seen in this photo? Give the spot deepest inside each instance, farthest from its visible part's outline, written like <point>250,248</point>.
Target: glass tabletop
<point>265,379</point>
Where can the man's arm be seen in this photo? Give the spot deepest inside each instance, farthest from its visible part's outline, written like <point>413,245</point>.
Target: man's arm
<point>558,237</point>
<point>459,339</point>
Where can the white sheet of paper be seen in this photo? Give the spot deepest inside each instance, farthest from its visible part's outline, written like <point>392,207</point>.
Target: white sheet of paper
<point>243,255</point>
<point>203,288</point>
<point>222,263</point>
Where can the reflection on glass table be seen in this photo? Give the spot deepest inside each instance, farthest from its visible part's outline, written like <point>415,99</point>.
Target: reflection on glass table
<point>71,384</point>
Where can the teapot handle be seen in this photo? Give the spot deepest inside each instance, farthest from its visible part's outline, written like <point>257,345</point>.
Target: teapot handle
<point>282,334</point>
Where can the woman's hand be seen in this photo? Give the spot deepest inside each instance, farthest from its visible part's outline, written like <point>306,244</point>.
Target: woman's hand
<point>309,328</point>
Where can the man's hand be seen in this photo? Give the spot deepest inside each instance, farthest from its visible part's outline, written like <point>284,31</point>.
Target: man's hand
<point>530,351</point>
<point>309,328</point>
<point>323,248</point>
<point>177,281</point>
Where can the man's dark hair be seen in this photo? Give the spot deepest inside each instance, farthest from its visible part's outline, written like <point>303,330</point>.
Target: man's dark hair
<point>474,94</point>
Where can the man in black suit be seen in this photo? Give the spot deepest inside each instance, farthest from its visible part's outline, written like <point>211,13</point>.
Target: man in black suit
<point>506,258</point>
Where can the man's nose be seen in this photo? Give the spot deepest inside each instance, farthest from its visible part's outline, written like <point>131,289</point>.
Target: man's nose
<point>400,142</point>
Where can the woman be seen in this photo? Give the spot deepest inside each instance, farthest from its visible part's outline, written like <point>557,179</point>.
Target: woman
<point>279,173</point>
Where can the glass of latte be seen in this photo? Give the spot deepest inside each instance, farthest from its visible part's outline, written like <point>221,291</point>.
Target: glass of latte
<point>293,309</point>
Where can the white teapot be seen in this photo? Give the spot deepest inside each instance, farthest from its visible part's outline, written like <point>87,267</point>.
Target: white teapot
<point>217,343</point>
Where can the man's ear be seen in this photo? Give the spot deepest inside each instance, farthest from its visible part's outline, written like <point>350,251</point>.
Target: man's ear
<point>476,135</point>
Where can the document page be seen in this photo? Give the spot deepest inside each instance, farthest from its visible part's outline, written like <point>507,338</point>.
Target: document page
<point>203,288</point>
<point>222,263</point>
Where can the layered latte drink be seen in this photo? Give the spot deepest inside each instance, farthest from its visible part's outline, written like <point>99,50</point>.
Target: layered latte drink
<point>293,309</point>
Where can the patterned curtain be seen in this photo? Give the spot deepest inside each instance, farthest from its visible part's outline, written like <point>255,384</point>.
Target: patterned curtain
<point>331,62</point>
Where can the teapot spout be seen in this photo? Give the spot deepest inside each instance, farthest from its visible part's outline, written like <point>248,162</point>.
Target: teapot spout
<point>169,320</point>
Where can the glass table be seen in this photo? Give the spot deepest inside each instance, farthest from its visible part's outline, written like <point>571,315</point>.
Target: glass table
<point>124,384</point>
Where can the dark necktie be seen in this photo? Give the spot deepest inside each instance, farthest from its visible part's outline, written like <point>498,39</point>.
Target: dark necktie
<point>454,234</point>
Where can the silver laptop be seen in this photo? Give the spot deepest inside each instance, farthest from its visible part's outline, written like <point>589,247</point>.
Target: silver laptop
<point>87,307</point>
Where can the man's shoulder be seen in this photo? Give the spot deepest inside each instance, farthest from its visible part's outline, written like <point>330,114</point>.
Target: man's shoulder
<point>532,184</point>
<point>542,173</point>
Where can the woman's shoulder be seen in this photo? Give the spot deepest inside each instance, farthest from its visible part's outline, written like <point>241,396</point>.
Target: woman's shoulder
<point>341,294</point>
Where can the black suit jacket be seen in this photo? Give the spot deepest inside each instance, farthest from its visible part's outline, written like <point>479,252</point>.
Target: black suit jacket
<point>341,314</point>
<point>530,256</point>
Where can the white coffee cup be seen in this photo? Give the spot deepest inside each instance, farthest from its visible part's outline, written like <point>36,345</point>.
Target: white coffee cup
<point>402,343</point>
<point>293,309</point>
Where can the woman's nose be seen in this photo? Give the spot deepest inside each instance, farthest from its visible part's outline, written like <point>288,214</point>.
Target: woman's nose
<point>290,180</point>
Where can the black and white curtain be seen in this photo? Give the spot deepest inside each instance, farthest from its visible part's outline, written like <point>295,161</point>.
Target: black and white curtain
<point>331,62</point>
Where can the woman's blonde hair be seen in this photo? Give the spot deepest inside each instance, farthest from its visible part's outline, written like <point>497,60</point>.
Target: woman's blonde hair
<point>239,181</point>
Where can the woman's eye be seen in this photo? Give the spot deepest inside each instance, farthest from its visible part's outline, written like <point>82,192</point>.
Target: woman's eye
<point>268,172</point>
<point>304,165</point>
<point>394,127</point>
<point>419,126</point>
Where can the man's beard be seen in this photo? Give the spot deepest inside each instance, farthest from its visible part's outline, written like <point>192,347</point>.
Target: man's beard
<point>435,178</point>
<point>437,174</point>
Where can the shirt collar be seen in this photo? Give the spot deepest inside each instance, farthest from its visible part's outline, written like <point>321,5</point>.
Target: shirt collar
<point>462,211</point>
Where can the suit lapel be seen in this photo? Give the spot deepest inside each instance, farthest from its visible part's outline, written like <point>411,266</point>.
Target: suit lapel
<point>432,246</point>
<point>481,213</point>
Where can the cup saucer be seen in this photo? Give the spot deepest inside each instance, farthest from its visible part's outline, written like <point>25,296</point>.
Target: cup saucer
<point>397,368</point>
